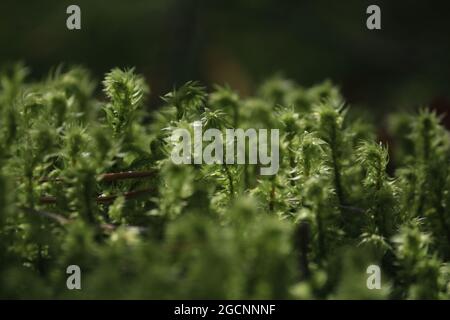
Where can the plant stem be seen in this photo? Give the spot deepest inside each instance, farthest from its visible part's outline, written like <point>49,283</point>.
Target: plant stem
<point>230,180</point>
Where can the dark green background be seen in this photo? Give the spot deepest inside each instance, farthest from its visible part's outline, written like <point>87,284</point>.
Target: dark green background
<point>406,64</point>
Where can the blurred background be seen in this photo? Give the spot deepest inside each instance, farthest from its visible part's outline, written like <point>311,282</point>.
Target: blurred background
<point>242,42</point>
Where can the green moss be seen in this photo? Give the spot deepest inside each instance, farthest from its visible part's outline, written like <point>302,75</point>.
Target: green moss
<point>89,181</point>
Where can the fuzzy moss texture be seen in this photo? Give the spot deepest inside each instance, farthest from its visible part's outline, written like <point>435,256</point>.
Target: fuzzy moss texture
<point>90,182</point>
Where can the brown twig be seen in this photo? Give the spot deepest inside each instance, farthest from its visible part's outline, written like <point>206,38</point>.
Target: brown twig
<point>126,195</point>
<point>103,199</point>
<point>58,218</point>
<point>126,175</point>
<point>108,177</point>
<point>48,179</point>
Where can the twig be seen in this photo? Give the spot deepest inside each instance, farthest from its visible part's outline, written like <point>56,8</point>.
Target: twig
<point>103,199</point>
<point>126,175</point>
<point>58,218</point>
<point>126,195</point>
<point>108,177</point>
